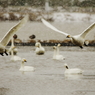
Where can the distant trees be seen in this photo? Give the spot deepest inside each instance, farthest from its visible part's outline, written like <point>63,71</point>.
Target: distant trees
<point>87,3</point>
<point>17,2</point>
<point>80,3</point>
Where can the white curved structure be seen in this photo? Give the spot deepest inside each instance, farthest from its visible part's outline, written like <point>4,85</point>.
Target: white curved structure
<point>56,54</point>
<point>11,50</point>
<point>15,50</point>
<point>26,68</point>
<point>72,71</point>
<point>39,49</point>
<point>78,40</point>
<point>4,41</point>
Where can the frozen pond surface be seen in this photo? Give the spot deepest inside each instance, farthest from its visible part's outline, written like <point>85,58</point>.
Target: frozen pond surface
<point>48,78</point>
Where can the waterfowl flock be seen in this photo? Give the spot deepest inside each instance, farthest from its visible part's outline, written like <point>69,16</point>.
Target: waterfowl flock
<point>78,40</point>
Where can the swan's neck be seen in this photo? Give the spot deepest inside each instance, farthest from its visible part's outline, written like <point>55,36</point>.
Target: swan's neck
<point>39,46</point>
<point>55,53</point>
<point>12,45</point>
<point>12,42</point>
<point>22,65</point>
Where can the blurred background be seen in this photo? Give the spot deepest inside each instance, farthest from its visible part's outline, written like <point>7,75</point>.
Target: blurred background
<point>36,8</point>
<point>71,16</point>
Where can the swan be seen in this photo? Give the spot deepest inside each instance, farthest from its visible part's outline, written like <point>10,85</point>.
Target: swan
<point>14,57</point>
<point>25,68</point>
<point>78,40</point>
<point>12,51</point>
<point>39,49</point>
<point>15,50</point>
<point>4,41</point>
<point>72,71</point>
<point>56,54</point>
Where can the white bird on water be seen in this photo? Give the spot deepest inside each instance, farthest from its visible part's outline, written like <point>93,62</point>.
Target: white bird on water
<point>72,71</point>
<point>26,68</point>
<point>15,50</point>
<point>78,40</point>
<point>4,41</point>
<point>13,57</point>
<point>56,54</point>
<point>39,49</point>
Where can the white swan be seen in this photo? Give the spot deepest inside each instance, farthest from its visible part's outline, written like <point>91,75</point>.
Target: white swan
<point>13,57</point>
<point>72,71</point>
<point>78,40</point>
<point>15,50</point>
<point>56,54</point>
<point>4,41</point>
<point>25,68</point>
<point>39,49</point>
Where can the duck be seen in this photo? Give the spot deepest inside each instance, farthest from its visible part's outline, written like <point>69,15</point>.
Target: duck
<point>39,49</point>
<point>5,40</point>
<point>26,68</point>
<point>56,54</point>
<point>72,71</point>
<point>78,40</point>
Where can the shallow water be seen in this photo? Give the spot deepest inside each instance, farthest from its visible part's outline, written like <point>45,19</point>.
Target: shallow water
<point>49,78</point>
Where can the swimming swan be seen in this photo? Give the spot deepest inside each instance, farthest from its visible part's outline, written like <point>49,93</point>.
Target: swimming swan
<point>56,54</point>
<point>72,71</point>
<point>13,57</point>
<point>15,50</point>
<point>39,49</point>
<point>25,68</point>
<point>4,41</point>
<point>78,40</point>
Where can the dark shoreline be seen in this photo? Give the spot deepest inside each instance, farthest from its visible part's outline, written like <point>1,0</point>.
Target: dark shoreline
<point>47,44</point>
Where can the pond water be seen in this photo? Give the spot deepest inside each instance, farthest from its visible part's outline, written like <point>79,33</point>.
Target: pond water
<point>48,77</point>
<point>44,33</point>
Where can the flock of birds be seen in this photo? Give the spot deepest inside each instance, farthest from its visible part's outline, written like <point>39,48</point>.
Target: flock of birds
<point>78,40</point>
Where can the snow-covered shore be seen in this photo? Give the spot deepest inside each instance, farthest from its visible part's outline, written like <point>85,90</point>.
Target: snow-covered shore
<point>73,17</point>
<point>52,16</point>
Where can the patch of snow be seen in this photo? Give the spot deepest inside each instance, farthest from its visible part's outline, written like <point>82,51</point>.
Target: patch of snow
<point>66,16</point>
<point>6,15</point>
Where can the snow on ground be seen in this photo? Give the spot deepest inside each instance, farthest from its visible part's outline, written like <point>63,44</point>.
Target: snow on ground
<point>67,16</point>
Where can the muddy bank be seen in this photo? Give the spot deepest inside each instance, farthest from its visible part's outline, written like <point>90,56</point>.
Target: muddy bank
<point>49,43</point>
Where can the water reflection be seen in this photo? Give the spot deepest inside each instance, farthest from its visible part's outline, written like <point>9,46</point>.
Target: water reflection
<point>73,76</point>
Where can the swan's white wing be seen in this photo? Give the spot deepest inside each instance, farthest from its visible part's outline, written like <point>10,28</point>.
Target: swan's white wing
<point>83,34</point>
<point>11,32</point>
<point>52,27</point>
